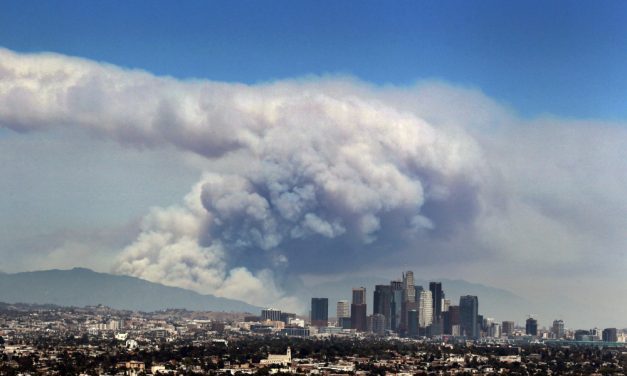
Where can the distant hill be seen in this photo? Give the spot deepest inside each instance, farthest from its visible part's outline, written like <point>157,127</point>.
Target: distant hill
<point>81,287</point>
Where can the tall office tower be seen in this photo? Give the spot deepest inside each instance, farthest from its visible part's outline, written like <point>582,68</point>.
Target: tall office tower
<point>359,295</point>
<point>425,309</point>
<point>494,330</point>
<point>412,323</point>
<point>610,335</point>
<point>445,304</point>
<point>376,324</point>
<point>319,312</point>
<point>396,305</point>
<point>531,326</point>
<point>450,318</point>
<point>507,327</point>
<point>343,309</point>
<point>270,314</point>
<point>418,288</point>
<point>480,324</point>
<point>558,329</point>
<point>486,324</point>
<point>437,295</point>
<point>359,319</point>
<point>409,299</point>
<point>468,312</point>
<point>409,290</point>
<point>382,303</point>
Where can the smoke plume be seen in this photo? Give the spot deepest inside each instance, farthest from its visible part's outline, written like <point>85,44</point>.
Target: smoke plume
<point>310,175</point>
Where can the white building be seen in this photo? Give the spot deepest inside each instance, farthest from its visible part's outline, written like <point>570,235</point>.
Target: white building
<point>281,359</point>
<point>343,309</point>
<point>425,309</point>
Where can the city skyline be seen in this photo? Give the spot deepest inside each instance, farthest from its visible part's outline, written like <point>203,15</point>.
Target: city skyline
<point>421,317</point>
<point>257,150</point>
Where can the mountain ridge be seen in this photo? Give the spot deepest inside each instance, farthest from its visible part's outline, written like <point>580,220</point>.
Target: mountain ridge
<point>83,287</point>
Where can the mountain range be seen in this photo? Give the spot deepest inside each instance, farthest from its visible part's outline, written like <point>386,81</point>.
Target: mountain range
<point>82,287</point>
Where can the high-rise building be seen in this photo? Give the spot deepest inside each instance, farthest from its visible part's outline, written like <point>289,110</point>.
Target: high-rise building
<point>409,290</point>
<point>437,295</point>
<point>494,330</point>
<point>319,312</point>
<point>507,328</point>
<point>425,309</point>
<point>412,323</point>
<point>270,314</point>
<point>359,295</point>
<point>359,319</point>
<point>486,324</point>
<point>376,324</point>
<point>445,304</point>
<point>451,318</point>
<point>344,322</point>
<point>531,327</point>
<point>382,303</point>
<point>558,329</point>
<point>610,335</point>
<point>396,305</point>
<point>343,309</point>
<point>469,311</point>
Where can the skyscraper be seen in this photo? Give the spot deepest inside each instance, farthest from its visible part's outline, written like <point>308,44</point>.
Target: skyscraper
<point>468,311</point>
<point>409,290</point>
<point>425,309</point>
<point>494,330</point>
<point>507,327</point>
<point>451,318</point>
<point>610,335</point>
<point>376,324</point>
<point>343,309</point>
<point>412,323</point>
<point>437,296</point>
<point>531,326</point>
<point>445,304</point>
<point>396,305</point>
<point>382,303</point>
<point>409,299</point>
<point>558,329</point>
<point>359,320</point>
<point>319,312</point>
<point>270,314</point>
<point>359,295</point>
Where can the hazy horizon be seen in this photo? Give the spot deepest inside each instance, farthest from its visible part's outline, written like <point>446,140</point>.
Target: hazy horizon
<point>244,149</point>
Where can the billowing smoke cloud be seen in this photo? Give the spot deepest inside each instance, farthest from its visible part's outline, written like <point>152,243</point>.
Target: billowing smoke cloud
<point>293,161</point>
<point>321,175</point>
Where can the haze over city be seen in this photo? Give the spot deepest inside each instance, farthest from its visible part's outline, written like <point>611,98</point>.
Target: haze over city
<point>254,150</point>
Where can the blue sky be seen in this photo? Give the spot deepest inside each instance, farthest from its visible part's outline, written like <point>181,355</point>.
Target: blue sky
<point>561,57</point>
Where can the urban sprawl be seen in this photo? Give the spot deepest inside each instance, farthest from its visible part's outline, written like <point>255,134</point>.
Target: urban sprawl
<point>411,331</point>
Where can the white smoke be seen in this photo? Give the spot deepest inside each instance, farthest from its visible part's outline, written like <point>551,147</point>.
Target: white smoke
<point>300,174</point>
<point>295,160</point>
